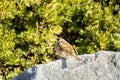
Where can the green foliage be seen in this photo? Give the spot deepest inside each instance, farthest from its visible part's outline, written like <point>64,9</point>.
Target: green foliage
<point>29,29</point>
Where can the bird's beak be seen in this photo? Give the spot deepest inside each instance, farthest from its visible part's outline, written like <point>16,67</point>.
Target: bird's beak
<point>60,43</point>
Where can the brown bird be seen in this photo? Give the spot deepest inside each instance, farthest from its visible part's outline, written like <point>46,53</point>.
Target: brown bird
<point>64,49</point>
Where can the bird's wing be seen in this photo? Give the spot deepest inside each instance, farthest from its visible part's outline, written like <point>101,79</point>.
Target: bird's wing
<point>69,49</point>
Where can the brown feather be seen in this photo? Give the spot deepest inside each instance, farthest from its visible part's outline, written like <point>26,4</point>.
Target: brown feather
<point>64,49</point>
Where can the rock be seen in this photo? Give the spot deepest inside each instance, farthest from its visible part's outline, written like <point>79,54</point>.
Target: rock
<point>103,65</point>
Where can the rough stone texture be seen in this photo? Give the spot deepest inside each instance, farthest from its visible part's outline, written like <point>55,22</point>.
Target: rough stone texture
<point>103,65</point>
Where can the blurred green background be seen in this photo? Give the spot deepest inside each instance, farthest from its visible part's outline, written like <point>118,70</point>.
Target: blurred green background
<point>29,30</point>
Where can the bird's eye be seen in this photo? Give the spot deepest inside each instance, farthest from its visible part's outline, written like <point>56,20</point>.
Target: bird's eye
<point>60,43</point>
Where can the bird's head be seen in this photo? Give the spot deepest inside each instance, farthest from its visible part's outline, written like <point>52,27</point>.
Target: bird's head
<point>61,41</point>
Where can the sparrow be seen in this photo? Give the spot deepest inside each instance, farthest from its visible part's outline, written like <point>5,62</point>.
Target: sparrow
<point>64,49</point>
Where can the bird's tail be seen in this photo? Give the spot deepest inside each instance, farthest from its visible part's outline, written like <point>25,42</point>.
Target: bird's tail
<point>77,58</point>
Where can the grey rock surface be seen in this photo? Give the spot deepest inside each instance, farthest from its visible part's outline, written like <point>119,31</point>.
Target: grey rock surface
<point>103,65</point>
